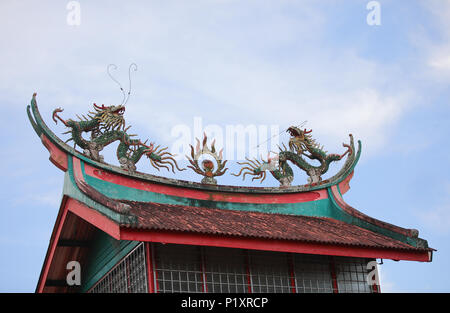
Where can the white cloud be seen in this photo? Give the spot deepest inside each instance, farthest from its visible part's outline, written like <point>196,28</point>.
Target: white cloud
<point>259,63</point>
<point>437,219</point>
<point>437,50</point>
<point>441,62</point>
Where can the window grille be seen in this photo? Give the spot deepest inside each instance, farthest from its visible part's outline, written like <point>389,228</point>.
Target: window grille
<point>312,273</point>
<point>185,268</point>
<point>128,276</point>
<point>178,268</point>
<point>225,270</point>
<point>351,275</point>
<point>269,272</point>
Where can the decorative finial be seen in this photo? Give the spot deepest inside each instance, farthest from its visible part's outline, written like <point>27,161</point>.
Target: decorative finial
<point>207,166</point>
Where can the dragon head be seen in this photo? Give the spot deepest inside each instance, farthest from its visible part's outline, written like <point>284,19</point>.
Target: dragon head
<point>110,117</point>
<point>299,139</point>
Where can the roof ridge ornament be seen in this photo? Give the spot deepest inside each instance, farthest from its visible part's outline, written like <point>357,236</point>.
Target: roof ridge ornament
<point>207,166</point>
<point>106,125</point>
<point>301,144</point>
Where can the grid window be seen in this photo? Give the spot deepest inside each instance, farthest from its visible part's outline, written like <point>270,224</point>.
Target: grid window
<point>351,275</point>
<point>178,268</point>
<point>312,273</point>
<point>128,276</point>
<point>186,268</point>
<point>225,270</point>
<point>269,272</point>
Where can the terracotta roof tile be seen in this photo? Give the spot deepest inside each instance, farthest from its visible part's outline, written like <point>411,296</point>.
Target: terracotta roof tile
<point>258,225</point>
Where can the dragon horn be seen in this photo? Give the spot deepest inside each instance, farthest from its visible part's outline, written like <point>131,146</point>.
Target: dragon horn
<point>98,107</point>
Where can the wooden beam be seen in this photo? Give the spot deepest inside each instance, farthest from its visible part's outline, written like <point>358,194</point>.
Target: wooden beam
<point>73,243</point>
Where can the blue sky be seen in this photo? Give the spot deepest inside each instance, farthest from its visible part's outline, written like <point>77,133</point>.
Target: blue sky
<point>237,62</point>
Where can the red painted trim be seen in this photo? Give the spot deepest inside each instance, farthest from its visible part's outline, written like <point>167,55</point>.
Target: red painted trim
<point>52,245</point>
<point>375,289</point>
<point>93,193</point>
<point>344,185</point>
<point>333,275</point>
<point>155,271</point>
<point>93,217</point>
<point>77,172</point>
<point>247,271</point>
<point>148,261</point>
<point>271,245</point>
<point>290,261</point>
<point>57,156</point>
<point>238,197</point>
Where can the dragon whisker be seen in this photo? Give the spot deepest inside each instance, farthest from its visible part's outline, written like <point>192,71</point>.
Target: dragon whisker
<point>256,177</point>
<point>252,162</point>
<point>249,173</point>
<point>171,165</point>
<point>264,176</point>
<point>247,163</point>
<point>163,166</point>
<point>240,172</point>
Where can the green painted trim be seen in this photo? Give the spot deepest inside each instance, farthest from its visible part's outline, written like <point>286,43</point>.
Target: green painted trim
<point>70,189</point>
<point>107,253</point>
<point>339,190</point>
<point>119,192</point>
<point>35,126</point>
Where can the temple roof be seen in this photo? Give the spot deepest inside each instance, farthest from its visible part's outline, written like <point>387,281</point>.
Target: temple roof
<point>129,205</point>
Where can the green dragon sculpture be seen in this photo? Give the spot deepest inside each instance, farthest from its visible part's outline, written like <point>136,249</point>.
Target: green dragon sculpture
<point>107,125</point>
<point>300,144</point>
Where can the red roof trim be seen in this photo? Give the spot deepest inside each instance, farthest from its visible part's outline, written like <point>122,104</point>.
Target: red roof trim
<point>52,245</point>
<point>95,218</point>
<point>238,197</point>
<point>57,156</point>
<point>272,245</point>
